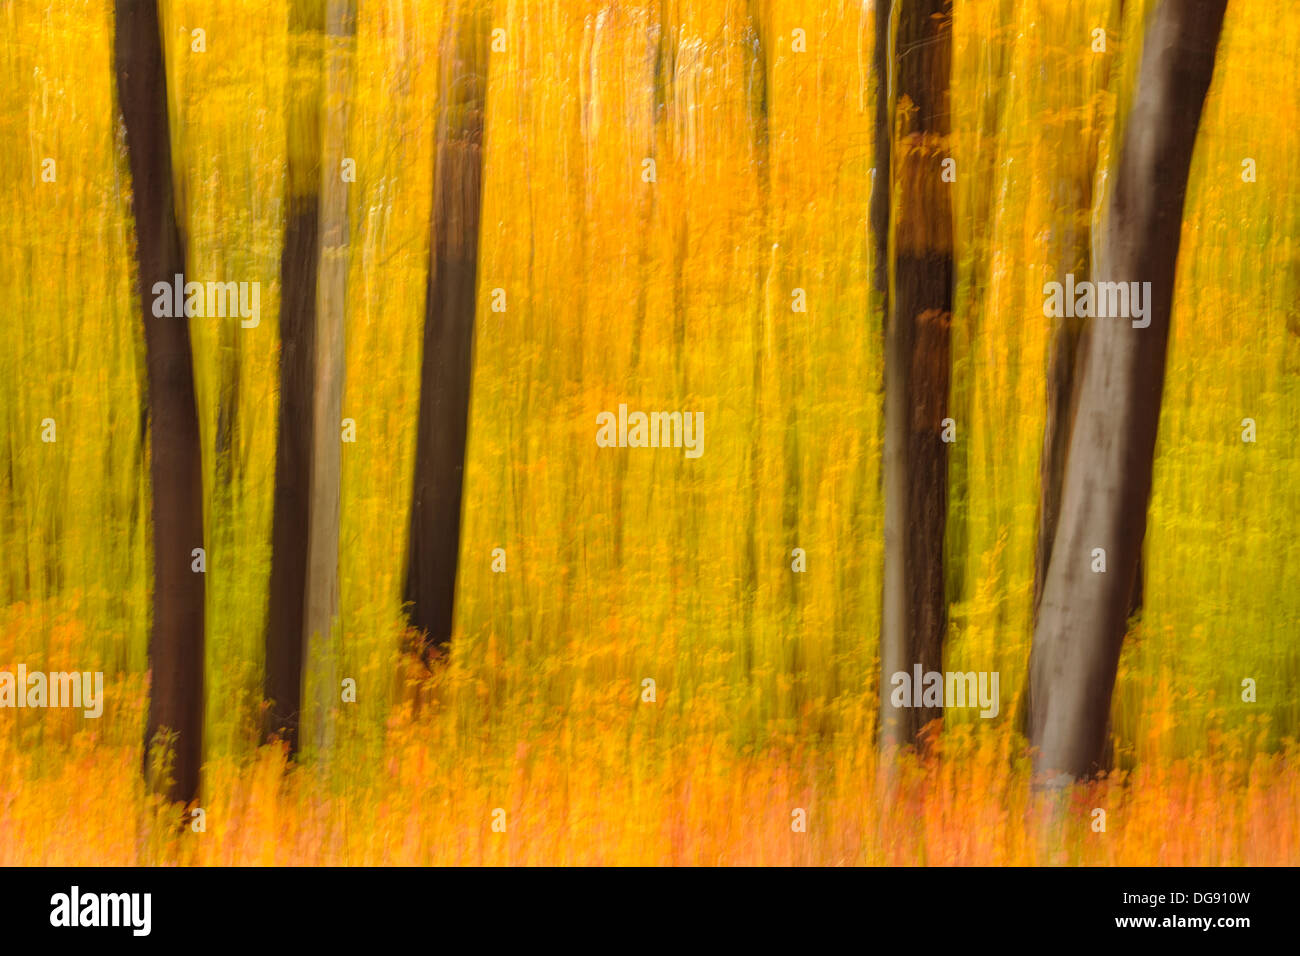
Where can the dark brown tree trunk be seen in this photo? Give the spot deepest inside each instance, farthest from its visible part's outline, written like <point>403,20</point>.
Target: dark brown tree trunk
<point>881,183</point>
<point>1109,465</point>
<point>298,273</point>
<point>434,545</point>
<point>917,361</point>
<point>176,638</point>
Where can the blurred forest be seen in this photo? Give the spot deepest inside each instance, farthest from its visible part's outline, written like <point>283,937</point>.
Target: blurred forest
<point>627,565</point>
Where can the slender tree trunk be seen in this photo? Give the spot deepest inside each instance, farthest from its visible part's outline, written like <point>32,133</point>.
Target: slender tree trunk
<point>917,359</point>
<point>321,617</point>
<point>758,89</point>
<point>299,261</point>
<point>1109,466</point>
<point>176,473</point>
<point>881,183</point>
<point>757,95</point>
<point>434,547</point>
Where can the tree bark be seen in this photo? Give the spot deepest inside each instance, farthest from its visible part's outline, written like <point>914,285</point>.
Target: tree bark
<point>917,360</point>
<point>881,183</point>
<point>1109,466</point>
<point>434,547</point>
<point>1063,351</point>
<point>176,638</point>
<point>321,616</point>
<point>299,262</point>
<point>1071,251</point>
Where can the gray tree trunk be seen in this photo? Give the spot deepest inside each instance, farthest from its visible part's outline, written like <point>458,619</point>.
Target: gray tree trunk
<point>1071,251</point>
<point>1109,467</point>
<point>176,472</point>
<point>321,617</point>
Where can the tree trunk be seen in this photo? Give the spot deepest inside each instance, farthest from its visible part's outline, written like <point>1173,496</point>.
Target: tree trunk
<point>176,473</point>
<point>881,183</point>
<point>1109,466</point>
<point>917,362</point>
<point>299,261</point>
<point>1063,352</point>
<point>1063,357</point>
<point>757,95</point>
<point>321,616</point>
<point>434,545</point>
<point>1071,251</point>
